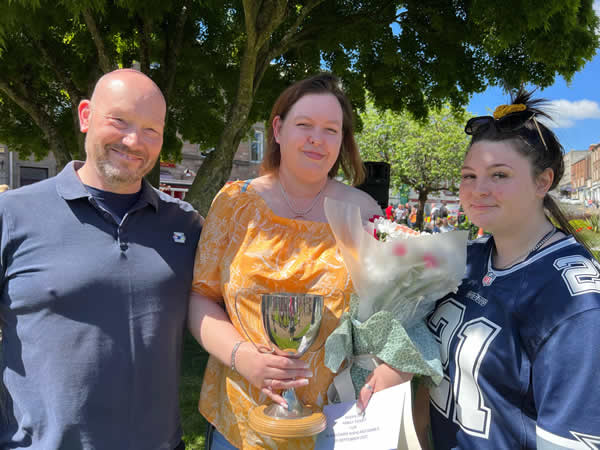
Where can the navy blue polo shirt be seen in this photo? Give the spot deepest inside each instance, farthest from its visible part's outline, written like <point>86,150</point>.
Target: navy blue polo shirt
<point>94,312</point>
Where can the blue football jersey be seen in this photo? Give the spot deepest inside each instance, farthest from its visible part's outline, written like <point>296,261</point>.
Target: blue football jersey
<point>520,353</point>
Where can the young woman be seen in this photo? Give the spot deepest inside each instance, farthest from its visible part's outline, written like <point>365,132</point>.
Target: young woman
<point>519,339</point>
<point>271,235</point>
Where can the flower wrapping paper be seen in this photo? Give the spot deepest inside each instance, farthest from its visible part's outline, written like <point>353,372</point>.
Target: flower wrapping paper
<point>397,283</point>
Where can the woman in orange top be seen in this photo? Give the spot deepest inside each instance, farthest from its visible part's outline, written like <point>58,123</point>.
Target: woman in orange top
<point>267,235</point>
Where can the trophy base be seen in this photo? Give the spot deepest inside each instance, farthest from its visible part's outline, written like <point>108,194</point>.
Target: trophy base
<point>286,428</point>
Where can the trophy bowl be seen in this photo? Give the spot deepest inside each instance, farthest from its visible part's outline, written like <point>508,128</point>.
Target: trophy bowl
<point>291,324</point>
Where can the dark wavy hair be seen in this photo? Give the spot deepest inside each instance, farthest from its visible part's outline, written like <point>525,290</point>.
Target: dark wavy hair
<point>324,83</point>
<point>543,152</point>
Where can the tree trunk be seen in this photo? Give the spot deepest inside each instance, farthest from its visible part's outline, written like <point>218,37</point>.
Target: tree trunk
<point>216,168</point>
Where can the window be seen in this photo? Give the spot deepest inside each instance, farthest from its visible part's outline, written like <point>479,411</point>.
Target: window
<point>256,146</point>
<point>30,175</point>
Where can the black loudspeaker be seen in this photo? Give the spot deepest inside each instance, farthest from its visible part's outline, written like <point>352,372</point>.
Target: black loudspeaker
<point>377,182</point>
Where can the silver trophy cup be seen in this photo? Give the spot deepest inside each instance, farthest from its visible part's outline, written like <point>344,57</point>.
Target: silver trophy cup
<point>291,323</point>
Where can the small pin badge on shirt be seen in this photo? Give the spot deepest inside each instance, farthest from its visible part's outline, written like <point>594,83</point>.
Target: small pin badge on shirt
<point>179,237</point>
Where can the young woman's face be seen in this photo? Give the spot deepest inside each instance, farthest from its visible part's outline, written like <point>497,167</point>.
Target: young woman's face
<point>310,137</point>
<point>497,189</point>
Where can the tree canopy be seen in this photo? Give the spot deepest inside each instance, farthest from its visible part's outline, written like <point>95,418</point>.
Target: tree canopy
<point>425,155</point>
<point>222,63</point>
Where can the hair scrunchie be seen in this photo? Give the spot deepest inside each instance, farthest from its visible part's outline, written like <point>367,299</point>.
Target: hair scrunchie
<point>503,110</point>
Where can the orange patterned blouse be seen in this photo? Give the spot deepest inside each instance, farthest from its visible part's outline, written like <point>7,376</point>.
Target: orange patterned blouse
<point>246,250</point>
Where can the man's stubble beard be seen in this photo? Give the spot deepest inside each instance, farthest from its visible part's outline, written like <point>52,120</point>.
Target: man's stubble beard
<point>114,175</point>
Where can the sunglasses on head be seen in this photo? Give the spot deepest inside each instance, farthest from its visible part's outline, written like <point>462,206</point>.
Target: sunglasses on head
<point>506,124</point>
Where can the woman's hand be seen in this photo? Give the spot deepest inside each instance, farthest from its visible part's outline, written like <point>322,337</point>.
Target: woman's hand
<point>271,373</point>
<point>381,378</point>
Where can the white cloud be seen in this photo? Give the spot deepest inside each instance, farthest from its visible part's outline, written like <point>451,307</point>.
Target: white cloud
<point>597,7</point>
<point>565,113</point>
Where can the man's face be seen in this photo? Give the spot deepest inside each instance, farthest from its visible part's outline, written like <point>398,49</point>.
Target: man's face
<point>124,123</point>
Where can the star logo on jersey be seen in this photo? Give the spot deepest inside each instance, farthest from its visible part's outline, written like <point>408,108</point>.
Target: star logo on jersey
<point>591,442</point>
<point>179,237</point>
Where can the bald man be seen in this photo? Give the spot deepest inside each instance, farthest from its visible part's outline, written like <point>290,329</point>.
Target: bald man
<point>96,267</point>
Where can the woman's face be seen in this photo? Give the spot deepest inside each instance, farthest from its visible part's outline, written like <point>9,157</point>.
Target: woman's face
<point>310,137</point>
<point>497,189</point>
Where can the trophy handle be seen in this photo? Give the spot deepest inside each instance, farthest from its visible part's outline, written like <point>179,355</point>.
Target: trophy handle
<point>261,348</point>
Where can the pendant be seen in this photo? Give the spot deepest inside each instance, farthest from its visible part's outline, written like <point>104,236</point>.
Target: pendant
<point>488,279</point>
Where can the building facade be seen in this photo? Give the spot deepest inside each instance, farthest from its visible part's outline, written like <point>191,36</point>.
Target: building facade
<point>176,178</point>
<point>580,177</point>
<point>16,172</point>
<point>594,151</point>
<point>565,187</point>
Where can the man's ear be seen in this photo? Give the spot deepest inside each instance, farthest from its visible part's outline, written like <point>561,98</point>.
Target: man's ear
<point>544,182</point>
<point>84,110</point>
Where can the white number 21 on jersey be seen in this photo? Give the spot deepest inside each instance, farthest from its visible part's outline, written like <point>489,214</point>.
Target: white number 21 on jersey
<point>474,338</point>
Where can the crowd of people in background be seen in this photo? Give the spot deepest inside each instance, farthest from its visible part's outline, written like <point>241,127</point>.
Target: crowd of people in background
<point>437,217</point>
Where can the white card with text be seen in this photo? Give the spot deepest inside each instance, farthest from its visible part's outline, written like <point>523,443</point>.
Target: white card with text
<point>378,428</point>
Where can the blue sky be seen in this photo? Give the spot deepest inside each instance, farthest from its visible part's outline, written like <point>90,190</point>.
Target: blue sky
<point>575,107</point>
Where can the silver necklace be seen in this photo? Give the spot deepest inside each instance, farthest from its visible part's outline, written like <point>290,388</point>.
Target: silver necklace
<point>300,214</point>
<point>490,276</point>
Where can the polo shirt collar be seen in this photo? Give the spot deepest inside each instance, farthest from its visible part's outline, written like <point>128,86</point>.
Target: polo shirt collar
<point>70,187</point>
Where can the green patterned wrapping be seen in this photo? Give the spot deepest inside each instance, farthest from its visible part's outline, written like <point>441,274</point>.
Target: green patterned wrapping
<point>412,350</point>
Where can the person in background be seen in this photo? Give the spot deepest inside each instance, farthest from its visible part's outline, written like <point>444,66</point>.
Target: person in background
<point>435,211</point>
<point>268,235</point>
<point>443,212</point>
<point>389,212</point>
<point>399,214</point>
<point>96,274</point>
<point>444,225</point>
<point>519,339</point>
<point>412,218</point>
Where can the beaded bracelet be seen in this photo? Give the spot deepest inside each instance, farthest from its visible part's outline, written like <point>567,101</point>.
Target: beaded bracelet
<point>233,352</point>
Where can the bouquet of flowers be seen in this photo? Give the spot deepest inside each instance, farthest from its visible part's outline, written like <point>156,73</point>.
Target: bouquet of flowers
<point>398,275</point>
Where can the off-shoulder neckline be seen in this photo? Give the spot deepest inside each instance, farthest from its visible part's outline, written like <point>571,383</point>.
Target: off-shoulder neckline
<point>276,218</point>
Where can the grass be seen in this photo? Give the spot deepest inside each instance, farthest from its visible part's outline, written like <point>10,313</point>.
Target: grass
<point>192,370</point>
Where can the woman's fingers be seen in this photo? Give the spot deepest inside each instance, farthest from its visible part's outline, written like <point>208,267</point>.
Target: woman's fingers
<point>285,363</point>
<point>286,373</point>
<point>275,397</point>
<point>290,374</point>
<point>279,385</point>
<point>381,378</point>
<point>281,372</point>
<point>272,388</point>
<point>366,392</point>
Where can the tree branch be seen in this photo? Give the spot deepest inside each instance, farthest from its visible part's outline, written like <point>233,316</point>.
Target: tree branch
<point>104,60</point>
<point>40,118</point>
<point>75,95</point>
<point>292,33</point>
<point>145,33</point>
<point>173,55</point>
<point>265,55</point>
